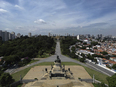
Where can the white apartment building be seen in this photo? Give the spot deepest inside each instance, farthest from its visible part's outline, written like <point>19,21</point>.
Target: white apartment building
<point>29,34</point>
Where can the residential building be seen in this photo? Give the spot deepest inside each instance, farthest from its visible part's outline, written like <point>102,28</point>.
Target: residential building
<point>1,33</point>
<point>84,52</point>
<point>113,59</point>
<point>111,63</point>
<point>29,34</point>
<point>10,36</point>
<point>6,36</point>
<point>18,35</point>
<point>13,35</point>
<point>49,34</point>
<point>87,35</point>
<point>80,37</point>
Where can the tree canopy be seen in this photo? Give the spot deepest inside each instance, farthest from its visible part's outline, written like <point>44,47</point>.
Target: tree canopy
<point>104,53</point>
<point>112,81</point>
<point>65,44</point>
<point>6,79</point>
<point>114,66</point>
<point>31,47</point>
<point>94,43</point>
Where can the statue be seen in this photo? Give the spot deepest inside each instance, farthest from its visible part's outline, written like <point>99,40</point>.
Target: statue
<point>58,60</point>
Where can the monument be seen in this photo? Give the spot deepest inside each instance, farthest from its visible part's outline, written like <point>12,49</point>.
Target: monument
<point>57,75</point>
<point>58,71</point>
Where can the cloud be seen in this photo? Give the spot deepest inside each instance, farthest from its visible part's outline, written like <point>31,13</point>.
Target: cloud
<point>95,25</point>
<point>58,15</point>
<point>7,29</point>
<point>3,11</point>
<point>17,6</point>
<point>40,21</point>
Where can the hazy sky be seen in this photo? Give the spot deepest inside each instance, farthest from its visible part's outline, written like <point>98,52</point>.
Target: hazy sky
<point>58,16</point>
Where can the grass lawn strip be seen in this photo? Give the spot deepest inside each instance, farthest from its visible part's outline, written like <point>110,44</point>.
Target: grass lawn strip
<point>98,76</point>
<point>32,61</point>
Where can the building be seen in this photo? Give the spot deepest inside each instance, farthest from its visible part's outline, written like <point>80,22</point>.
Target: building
<point>87,41</point>
<point>13,35</point>
<point>1,33</point>
<point>49,34</point>
<point>10,36</point>
<point>93,37</point>
<point>18,35</point>
<point>87,35</point>
<point>3,36</point>
<point>84,52</point>
<point>29,34</point>
<point>80,37</point>
<point>6,35</point>
<point>113,59</point>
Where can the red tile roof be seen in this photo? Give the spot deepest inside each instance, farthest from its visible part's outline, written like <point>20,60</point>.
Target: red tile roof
<point>112,62</point>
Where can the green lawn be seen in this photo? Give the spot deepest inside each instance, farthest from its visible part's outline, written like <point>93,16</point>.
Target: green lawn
<point>16,75</point>
<point>20,85</point>
<point>44,63</point>
<point>99,76</point>
<point>32,61</point>
<point>49,63</point>
<point>69,63</point>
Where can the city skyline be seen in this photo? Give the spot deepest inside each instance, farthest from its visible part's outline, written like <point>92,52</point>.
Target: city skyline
<point>58,16</point>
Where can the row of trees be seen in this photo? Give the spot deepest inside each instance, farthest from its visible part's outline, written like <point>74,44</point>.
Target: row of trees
<point>27,48</point>
<point>65,44</point>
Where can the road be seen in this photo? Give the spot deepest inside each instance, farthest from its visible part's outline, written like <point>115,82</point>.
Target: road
<point>63,59</point>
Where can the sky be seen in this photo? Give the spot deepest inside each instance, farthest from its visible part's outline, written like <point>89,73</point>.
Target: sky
<point>58,16</point>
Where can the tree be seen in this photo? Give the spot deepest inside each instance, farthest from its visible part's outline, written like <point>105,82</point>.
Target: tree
<point>104,53</point>
<point>23,47</point>
<point>112,81</point>
<point>83,47</point>
<point>95,60</point>
<point>73,49</point>
<point>107,57</point>
<point>90,57</point>
<point>82,60</point>
<point>114,66</point>
<point>1,73</point>
<point>103,85</point>
<point>83,55</point>
<point>72,55</point>
<point>6,79</point>
<point>94,43</point>
<point>99,85</point>
<point>84,43</point>
<point>95,48</point>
